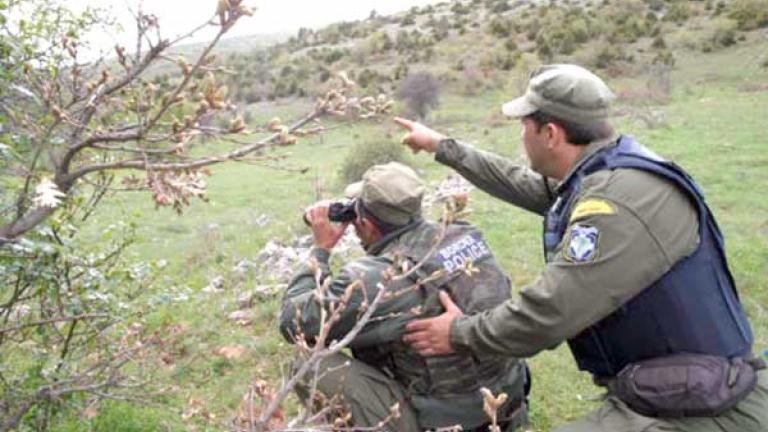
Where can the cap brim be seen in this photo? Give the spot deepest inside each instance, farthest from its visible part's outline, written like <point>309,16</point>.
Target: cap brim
<point>519,107</point>
<point>354,190</point>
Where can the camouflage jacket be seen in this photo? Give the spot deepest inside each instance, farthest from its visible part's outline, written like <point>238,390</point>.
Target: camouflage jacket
<point>443,390</point>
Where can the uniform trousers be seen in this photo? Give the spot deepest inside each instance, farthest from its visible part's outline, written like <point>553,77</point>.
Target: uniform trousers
<point>749,415</point>
<point>369,394</point>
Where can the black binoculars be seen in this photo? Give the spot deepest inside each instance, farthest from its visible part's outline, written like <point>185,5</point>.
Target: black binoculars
<point>339,211</point>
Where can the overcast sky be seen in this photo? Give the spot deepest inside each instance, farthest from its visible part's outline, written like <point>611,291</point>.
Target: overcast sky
<point>271,16</point>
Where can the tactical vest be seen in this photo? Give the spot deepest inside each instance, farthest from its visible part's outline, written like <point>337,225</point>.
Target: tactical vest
<point>467,270</point>
<point>693,308</point>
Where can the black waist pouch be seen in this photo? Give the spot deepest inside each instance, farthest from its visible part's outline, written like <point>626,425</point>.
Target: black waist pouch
<point>685,385</point>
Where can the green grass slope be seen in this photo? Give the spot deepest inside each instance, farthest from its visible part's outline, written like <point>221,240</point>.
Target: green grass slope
<point>714,124</point>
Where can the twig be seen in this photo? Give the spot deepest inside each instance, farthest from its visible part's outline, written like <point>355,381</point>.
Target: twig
<point>199,163</point>
<point>318,355</point>
<point>52,320</point>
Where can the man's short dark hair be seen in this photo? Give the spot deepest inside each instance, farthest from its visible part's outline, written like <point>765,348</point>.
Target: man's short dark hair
<point>575,133</point>
<point>384,227</point>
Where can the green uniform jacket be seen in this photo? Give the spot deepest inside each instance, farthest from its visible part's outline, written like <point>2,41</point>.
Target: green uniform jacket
<point>382,334</point>
<point>300,297</point>
<point>645,225</point>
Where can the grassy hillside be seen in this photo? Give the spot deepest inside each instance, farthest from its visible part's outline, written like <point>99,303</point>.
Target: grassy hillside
<point>713,122</point>
<point>474,45</point>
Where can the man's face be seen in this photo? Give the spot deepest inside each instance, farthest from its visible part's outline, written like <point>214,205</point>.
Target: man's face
<point>365,231</point>
<point>535,145</point>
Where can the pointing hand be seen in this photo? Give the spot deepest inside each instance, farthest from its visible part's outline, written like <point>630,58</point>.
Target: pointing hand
<point>419,137</point>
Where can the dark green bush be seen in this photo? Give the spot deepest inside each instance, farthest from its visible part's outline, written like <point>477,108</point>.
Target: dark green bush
<point>368,153</point>
<point>724,37</point>
<point>607,55</point>
<point>499,27</point>
<point>579,30</point>
<point>459,9</point>
<point>501,6</point>
<point>368,78</point>
<point>543,48</point>
<point>678,12</point>
<point>750,14</point>
<point>510,45</point>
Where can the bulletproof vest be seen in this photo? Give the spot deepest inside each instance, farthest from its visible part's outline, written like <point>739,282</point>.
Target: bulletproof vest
<point>693,308</point>
<point>460,263</point>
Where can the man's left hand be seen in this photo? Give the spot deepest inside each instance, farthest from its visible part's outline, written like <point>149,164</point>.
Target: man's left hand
<point>326,234</point>
<point>432,336</point>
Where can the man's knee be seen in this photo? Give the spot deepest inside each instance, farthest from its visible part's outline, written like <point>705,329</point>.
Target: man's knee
<point>615,415</point>
<point>365,392</point>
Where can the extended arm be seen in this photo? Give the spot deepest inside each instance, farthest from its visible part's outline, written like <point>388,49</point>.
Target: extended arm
<point>494,174</point>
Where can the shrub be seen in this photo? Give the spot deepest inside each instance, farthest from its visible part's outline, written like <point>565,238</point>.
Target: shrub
<point>664,57</point>
<point>459,9</point>
<point>510,45</point>
<point>719,8</point>
<point>607,55</point>
<point>500,28</point>
<point>420,91</point>
<point>678,12</point>
<point>379,42</point>
<point>472,82</point>
<point>333,56</point>
<point>368,153</point>
<point>501,6</point>
<point>724,36</point>
<point>579,30</point>
<point>368,78</point>
<point>750,14</point>
<point>543,48</point>
<point>324,75</point>
<point>400,71</point>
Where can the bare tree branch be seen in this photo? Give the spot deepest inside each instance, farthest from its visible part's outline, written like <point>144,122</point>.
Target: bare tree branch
<point>50,321</point>
<point>199,163</point>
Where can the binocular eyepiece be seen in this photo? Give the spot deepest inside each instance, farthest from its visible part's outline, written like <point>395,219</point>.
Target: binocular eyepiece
<point>339,211</point>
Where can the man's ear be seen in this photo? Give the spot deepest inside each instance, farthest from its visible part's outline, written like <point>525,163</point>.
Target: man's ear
<point>555,135</point>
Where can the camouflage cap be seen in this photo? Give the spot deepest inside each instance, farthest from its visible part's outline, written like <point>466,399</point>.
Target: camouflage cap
<point>566,91</point>
<point>392,192</point>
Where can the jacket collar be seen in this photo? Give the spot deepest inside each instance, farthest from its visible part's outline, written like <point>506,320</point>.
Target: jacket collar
<point>379,246</point>
<point>589,150</point>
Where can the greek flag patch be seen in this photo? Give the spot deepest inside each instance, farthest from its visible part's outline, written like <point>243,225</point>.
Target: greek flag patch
<point>582,245</point>
<point>469,248</point>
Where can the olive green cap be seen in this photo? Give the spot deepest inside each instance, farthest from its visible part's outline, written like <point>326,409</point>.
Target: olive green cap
<point>566,91</point>
<point>392,192</point>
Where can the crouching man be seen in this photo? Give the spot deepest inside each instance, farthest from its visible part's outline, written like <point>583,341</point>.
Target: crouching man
<point>432,392</point>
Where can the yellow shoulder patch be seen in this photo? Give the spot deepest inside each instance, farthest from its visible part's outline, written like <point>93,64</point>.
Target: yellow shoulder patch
<point>591,207</point>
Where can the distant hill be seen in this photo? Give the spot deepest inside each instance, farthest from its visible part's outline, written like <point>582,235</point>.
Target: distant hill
<point>471,45</point>
<point>236,44</point>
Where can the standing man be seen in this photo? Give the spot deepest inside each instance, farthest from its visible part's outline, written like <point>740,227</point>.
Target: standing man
<point>636,279</point>
<point>432,392</point>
